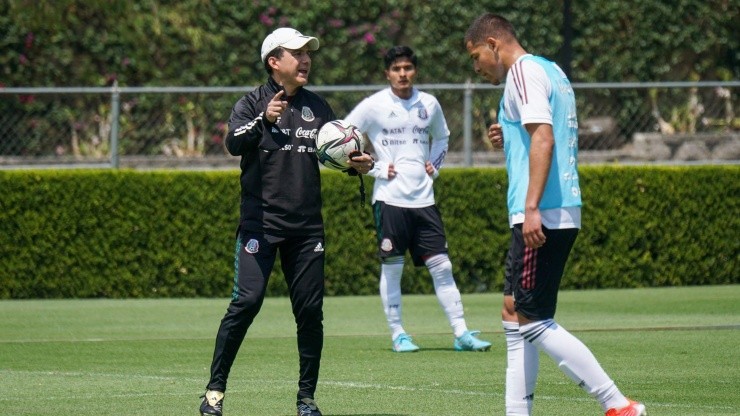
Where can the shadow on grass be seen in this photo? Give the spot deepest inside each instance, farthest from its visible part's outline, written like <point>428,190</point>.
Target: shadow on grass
<point>438,349</point>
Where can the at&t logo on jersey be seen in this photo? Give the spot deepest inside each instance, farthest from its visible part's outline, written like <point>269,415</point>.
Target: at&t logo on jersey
<point>394,130</point>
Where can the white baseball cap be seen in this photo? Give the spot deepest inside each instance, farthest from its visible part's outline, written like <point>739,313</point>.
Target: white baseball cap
<point>287,38</point>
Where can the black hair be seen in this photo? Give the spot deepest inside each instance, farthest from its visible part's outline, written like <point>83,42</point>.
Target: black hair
<point>489,25</point>
<point>399,52</point>
<point>277,53</point>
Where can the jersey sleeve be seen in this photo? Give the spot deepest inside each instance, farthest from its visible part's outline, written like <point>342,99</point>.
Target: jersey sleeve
<point>358,117</point>
<point>440,137</point>
<point>532,91</point>
<point>246,125</point>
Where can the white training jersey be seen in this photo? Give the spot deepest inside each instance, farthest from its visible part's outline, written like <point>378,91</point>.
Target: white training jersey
<point>407,134</point>
<point>527,100</point>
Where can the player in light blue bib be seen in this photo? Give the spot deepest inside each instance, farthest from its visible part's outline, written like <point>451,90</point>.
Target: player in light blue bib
<point>539,132</point>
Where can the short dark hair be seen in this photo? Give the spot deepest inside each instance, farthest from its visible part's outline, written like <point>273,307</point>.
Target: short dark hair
<point>489,25</point>
<point>277,53</point>
<point>399,52</point>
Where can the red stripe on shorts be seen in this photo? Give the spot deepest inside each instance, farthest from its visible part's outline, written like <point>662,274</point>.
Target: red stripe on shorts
<point>530,268</point>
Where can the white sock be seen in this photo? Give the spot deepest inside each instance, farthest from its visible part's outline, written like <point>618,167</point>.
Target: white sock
<point>575,360</point>
<point>390,293</point>
<point>448,296</point>
<point>523,362</point>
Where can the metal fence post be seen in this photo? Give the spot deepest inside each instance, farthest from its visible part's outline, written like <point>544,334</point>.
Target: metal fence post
<point>468,123</point>
<point>115,110</point>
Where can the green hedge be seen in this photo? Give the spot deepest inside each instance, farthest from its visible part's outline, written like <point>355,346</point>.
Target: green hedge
<point>83,233</point>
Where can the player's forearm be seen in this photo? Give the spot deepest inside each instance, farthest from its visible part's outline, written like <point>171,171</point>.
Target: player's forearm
<point>438,152</point>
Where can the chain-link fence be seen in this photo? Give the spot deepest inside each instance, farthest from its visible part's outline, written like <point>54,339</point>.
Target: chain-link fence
<point>185,126</point>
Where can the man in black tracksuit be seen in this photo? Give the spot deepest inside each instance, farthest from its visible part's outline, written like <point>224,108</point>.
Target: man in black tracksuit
<point>273,129</point>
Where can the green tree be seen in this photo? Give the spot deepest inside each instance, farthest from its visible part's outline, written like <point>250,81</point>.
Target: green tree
<point>216,42</point>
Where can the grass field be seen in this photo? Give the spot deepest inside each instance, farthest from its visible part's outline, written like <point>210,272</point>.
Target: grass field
<point>676,349</point>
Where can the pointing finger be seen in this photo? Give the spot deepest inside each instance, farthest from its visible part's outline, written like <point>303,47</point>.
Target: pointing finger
<point>278,95</point>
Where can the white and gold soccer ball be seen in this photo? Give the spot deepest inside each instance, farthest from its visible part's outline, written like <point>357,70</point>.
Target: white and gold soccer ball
<point>336,141</point>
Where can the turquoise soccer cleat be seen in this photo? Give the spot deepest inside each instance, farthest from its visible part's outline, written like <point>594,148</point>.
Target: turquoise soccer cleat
<point>469,342</point>
<point>403,343</point>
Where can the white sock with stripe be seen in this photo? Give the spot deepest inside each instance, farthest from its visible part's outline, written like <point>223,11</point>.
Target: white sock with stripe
<point>575,360</point>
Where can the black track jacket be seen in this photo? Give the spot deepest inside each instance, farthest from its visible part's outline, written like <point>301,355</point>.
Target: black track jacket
<point>280,182</point>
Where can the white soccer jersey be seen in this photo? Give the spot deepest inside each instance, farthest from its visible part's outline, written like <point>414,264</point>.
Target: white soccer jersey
<point>406,133</point>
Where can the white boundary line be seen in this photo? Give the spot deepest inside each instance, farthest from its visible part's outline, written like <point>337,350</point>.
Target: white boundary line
<point>13,396</point>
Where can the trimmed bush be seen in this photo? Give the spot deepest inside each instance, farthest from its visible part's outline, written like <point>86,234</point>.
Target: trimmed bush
<point>120,234</point>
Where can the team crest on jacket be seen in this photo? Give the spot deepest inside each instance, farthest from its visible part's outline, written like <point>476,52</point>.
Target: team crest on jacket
<point>252,246</point>
<point>386,245</point>
<point>307,114</point>
<point>423,113</point>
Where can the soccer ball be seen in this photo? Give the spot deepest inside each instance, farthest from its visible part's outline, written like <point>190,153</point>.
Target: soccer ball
<point>336,141</point>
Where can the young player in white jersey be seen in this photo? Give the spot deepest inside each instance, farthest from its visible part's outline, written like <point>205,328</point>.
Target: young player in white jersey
<point>409,134</point>
<point>539,128</point>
